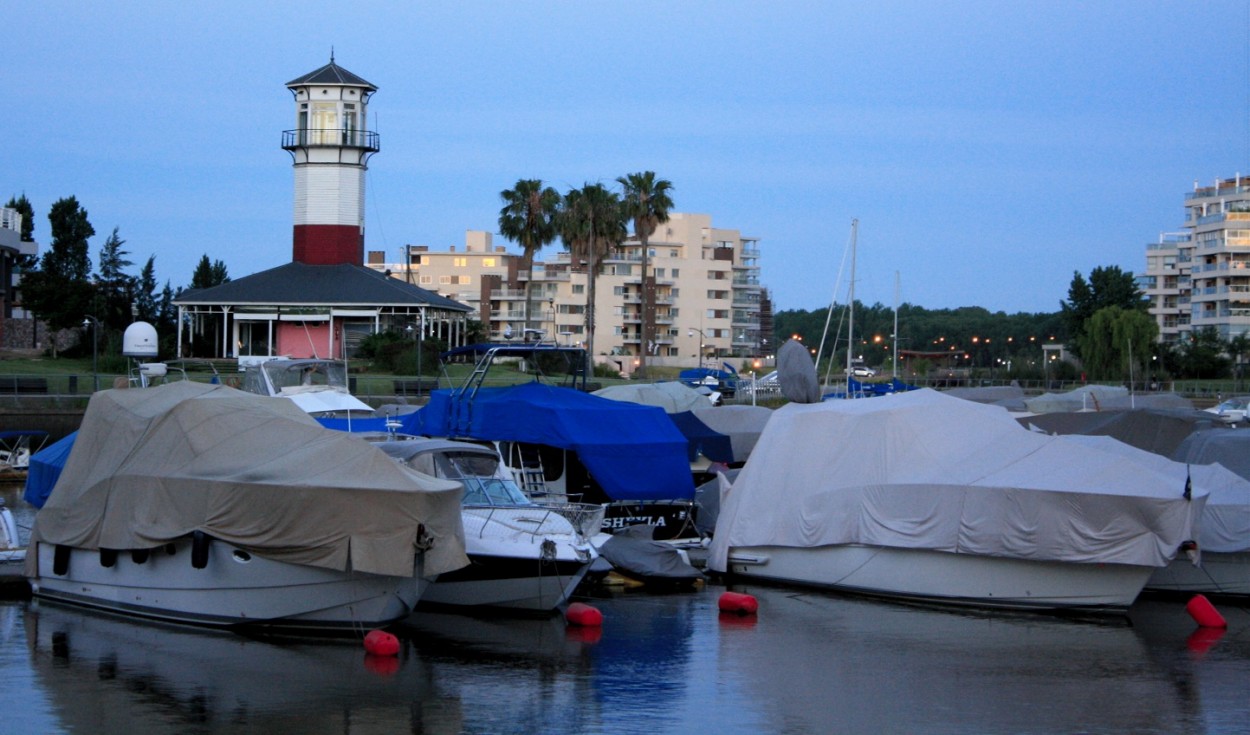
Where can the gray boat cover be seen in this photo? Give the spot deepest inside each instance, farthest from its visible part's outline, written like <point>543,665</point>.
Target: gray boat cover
<point>796,373</point>
<point>1102,398</point>
<point>742,424</point>
<point>669,395</point>
<point>924,470</point>
<point>1225,523</point>
<point>632,551</point>
<point>1153,429</point>
<point>1229,447</point>
<point>156,464</point>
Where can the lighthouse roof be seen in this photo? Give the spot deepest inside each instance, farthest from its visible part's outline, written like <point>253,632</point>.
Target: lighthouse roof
<point>332,74</point>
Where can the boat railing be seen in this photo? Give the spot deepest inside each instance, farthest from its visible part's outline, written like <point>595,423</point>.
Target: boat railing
<point>486,355</point>
<point>534,519</point>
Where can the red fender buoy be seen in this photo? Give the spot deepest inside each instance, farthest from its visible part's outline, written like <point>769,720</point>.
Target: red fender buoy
<point>1204,613</point>
<point>584,615</point>
<point>381,643</point>
<point>737,602</point>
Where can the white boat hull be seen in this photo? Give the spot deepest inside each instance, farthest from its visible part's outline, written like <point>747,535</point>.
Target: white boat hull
<point>523,558</point>
<point>234,589</point>
<point>946,578</point>
<point>1220,574</point>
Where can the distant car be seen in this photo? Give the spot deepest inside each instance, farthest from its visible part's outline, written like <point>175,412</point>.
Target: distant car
<point>863,372</point>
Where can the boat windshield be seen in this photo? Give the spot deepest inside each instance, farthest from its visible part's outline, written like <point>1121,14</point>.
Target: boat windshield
<point>293,376</point>
<point>484,484</point>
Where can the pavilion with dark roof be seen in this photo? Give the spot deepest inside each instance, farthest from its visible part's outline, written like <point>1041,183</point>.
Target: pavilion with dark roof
<point>325,301</point>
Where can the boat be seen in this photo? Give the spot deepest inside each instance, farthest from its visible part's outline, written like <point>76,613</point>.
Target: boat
<point>12,550</point>
<point>318,386</point>
<point>1222,566</point>
<point>919,496</point>
<point>1220,460</point>
<point>523,556</point>
<point>16,447</point>
<point>201,504</point>
<point>564,444</point>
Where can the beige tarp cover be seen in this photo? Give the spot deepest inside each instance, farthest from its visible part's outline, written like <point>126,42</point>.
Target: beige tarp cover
<point>153,465</point>
<point>924,470</point>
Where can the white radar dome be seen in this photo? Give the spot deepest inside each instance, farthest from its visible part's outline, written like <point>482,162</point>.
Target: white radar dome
<point>139,340</point>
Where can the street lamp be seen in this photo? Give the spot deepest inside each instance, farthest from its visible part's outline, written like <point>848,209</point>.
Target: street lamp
<point>90,321</point>
<point>702,338</point>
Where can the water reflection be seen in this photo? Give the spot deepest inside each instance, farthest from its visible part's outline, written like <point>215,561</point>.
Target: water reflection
<point>107,675</point>
<point>862,666</point>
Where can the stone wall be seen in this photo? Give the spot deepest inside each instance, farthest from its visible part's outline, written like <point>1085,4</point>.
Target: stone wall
<point>29,334</point>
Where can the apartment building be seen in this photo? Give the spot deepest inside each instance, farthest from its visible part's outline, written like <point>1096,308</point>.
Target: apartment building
<point>1200,277</point>
<point>709,304</point>
<point>13,252</point>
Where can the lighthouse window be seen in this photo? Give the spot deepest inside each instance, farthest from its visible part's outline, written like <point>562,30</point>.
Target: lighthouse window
<point>324,123</point>
<point>349,124</point>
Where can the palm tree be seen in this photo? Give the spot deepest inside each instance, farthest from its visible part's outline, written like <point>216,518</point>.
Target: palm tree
<point>528,218</point>
<point>591,224</point>
<point>646,202</point>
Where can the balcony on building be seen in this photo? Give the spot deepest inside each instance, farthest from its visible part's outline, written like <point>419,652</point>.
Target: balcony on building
<point>365,140</point>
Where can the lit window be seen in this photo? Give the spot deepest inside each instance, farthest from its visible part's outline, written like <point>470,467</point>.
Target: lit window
<point>488,262</point>
<point>460,262</point>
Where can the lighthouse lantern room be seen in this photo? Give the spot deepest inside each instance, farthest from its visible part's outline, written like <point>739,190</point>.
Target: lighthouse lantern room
<point>330,146</point>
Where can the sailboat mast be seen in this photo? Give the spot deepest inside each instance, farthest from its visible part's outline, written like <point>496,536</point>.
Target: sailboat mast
<point>850,325</point>
<point>894,348</point>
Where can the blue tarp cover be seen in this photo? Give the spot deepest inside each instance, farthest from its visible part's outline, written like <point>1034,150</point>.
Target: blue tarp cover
<point>634,452</point>
<point>45,469</point>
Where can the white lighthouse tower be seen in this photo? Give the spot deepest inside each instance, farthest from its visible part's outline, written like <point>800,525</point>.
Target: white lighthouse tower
<point>331,147</point>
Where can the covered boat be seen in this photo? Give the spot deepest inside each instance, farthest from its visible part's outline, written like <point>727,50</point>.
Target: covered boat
<point>202,504</point>
<point>594,449</point>
<point>923,496</point>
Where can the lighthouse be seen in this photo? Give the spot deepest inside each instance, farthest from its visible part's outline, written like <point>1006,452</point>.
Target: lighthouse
<point>330,146</point>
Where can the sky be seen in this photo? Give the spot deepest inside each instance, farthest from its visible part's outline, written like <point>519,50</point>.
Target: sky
<point>988,150</point>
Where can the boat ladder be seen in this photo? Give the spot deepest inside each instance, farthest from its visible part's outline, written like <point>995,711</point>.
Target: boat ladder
<point>529,470</point>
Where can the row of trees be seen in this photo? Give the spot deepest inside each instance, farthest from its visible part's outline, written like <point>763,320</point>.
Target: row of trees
<point>1104,321</point>
<point>61,289</point>
<point>591,222</point>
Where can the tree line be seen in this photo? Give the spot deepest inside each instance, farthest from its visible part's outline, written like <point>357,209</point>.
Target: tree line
<point>61,289</point>
<point>1104,322</point>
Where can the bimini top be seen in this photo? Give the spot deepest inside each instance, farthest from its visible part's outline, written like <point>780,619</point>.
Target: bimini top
<point>927,471</point>
<point>634,452</point>
<point>153,465</point>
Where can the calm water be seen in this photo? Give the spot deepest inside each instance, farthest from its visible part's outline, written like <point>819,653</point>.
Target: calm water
<point>808,663</point>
